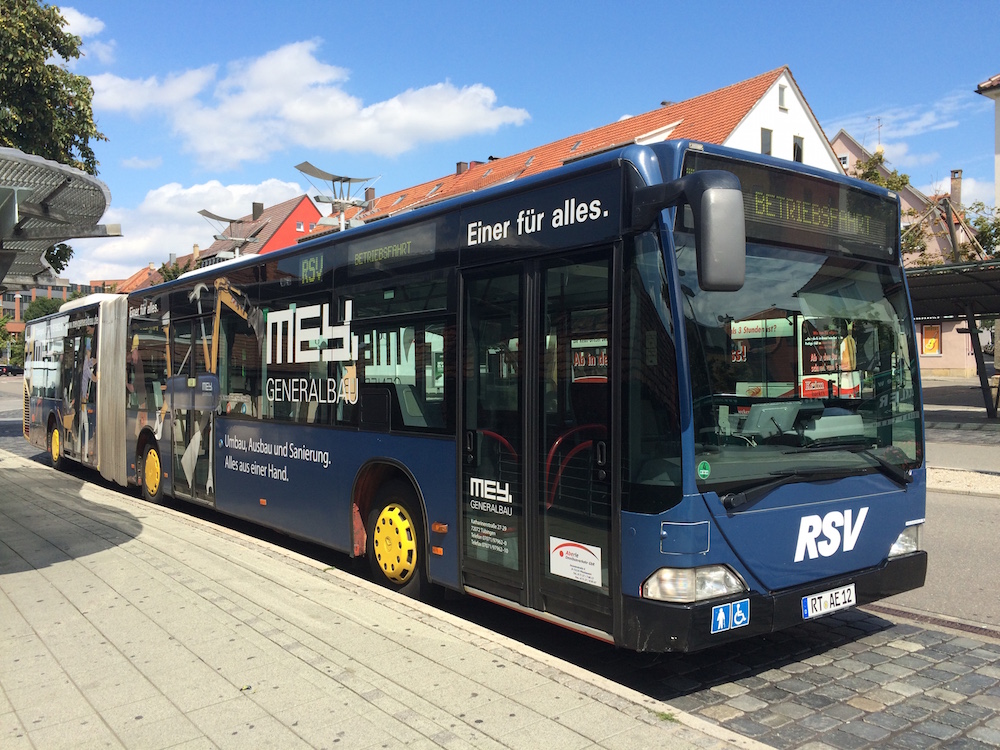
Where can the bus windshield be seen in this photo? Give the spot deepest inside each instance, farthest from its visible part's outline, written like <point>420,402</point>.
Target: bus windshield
<point>806,373</point>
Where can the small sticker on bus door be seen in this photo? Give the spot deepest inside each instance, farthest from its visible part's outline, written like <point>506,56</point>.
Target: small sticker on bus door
<point>576,561</point>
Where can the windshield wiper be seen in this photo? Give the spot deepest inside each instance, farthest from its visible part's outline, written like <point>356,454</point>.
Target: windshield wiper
<point>895,473</point>
<point>735,500</point>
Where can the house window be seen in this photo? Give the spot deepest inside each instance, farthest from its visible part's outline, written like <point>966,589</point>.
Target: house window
<point>930,344</point>
<point>797,148</point>
<point>299,226</point>
<point>781,97</point>
<point>312,225</point>
<point>843,160</point>
<point>765,141</point>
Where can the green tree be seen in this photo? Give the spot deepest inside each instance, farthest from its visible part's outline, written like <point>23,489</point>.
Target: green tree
<point>58,256</point>
<point>4,333</point>
<point>985,221</point>
<point>870,170</point>
<point>44,108</point>
<point>41,306</point>
<point>17,350</point>
<point>169,272</point>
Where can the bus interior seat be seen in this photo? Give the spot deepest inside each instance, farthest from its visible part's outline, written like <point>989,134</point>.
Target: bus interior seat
<point>410,405</point>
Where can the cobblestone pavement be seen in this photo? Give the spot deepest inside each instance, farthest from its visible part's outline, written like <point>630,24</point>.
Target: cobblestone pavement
<point>898,686</point>
<point>852,680</point>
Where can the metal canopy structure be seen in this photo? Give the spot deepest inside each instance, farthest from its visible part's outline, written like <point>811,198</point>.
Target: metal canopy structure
<point>43,203</point>
<point>950,291</point>
<point>967,290</point>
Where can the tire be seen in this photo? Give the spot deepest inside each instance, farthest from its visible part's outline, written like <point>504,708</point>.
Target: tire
<point>396,548</point>
<point>151,475</point>
<point>56,454</point>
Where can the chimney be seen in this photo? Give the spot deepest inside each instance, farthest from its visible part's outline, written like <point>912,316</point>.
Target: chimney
<point>461,167</point>
<point>258,209</point>
<point>369,194</point>
<point>956,188</point>
<point>197,254</point>
<point>172,260</point>
<point>152,266</point>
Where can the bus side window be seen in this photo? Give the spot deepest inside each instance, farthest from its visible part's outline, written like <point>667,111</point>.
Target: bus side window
<point>411,361</point>
<point>239,366</point>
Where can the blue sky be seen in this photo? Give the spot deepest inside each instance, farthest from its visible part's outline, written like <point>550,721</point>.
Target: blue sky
<point>211,104</point>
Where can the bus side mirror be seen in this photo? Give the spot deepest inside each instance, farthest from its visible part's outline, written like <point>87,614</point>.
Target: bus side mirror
<point>716,202</point>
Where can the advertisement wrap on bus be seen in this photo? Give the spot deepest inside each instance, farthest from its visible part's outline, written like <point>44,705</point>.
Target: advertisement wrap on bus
<point>666,396</point>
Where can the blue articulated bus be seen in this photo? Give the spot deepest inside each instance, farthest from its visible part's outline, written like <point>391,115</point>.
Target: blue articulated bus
<point>666,396</point>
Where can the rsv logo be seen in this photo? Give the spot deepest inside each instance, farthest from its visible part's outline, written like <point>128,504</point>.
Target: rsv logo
<point>822,535</point>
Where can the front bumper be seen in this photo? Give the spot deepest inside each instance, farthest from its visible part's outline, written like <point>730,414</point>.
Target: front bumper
<point>659,626</point>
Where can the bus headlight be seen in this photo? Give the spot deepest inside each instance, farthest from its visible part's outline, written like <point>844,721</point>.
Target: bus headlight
<point>685,585</point>
<point>907,542</point>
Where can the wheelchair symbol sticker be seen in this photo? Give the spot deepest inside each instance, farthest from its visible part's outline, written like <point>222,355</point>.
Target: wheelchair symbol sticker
<point>730,616</point>
<point>741,613</point>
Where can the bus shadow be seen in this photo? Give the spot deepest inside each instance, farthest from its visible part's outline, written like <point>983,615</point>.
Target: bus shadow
<point>44,523</point>
<point>801,652</point>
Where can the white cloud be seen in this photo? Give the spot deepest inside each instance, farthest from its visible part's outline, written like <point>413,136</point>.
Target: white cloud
<point>895,123</point>
<point>898,156</point>
<point>134,162</point>
<point>103,51</point>
<point>166,222</point>
<point>135,96</point>
<point>288,97</point>
<point>973,190</point>
<point>80,24</point>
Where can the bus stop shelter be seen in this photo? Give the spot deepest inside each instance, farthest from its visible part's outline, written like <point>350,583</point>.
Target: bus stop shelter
<point>43,203</point>
<point>969,291</point>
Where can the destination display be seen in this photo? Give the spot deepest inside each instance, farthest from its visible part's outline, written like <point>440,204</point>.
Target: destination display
<point>796,209</point>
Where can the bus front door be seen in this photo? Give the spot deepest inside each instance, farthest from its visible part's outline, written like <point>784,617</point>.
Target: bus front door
<point>536,482</point>
<point>194,392</point>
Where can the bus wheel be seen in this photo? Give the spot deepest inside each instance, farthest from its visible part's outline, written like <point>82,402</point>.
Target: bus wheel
<point>395,540</point>
<point>152,475</point>
<point>56,449</point>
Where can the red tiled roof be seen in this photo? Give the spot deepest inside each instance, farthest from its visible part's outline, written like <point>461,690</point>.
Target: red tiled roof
<point>710,118</point>
<point>261,229</point>
<point>141,279</point>
<point>989,84</point>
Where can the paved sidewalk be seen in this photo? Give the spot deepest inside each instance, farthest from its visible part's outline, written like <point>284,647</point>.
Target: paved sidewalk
<point>124,624</point>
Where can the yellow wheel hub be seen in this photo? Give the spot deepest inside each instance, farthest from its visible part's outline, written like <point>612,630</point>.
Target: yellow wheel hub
<point>54,445</point>
<point>151,472</point>
<point>395,544</point>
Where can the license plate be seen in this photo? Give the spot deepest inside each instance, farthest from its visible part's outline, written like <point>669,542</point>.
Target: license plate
<point>817,605</point>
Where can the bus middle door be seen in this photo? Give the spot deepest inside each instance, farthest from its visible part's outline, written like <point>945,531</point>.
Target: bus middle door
<point>195,398</point>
